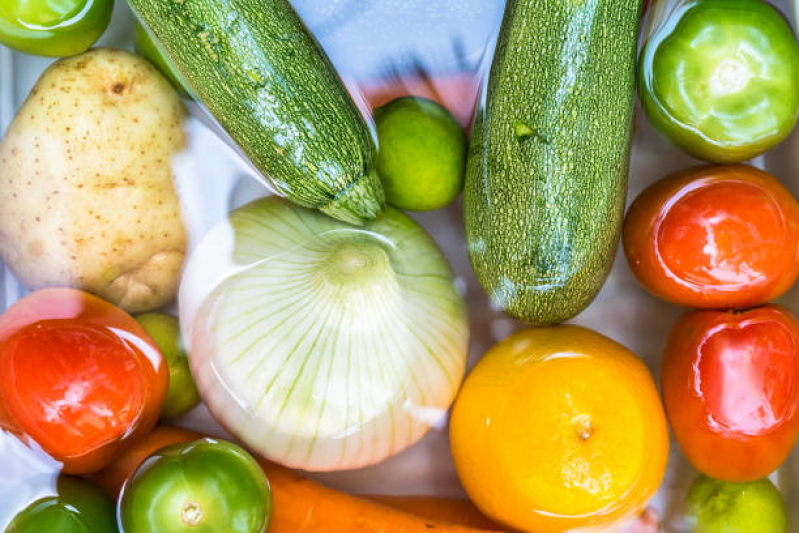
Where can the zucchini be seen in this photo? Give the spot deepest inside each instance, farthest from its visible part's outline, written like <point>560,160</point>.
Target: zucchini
<point>547,170</point>
<point>259,72</point>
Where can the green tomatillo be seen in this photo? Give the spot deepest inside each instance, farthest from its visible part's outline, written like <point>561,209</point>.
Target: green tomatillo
<point>720,78</point>
<point>206,486</point>
<point>53,28</point>
<point>77,507</point>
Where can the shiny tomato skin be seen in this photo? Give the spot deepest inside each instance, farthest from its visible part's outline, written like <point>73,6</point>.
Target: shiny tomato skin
<point>78,376</point>
<point>731,390</point>
<point>714,237</point>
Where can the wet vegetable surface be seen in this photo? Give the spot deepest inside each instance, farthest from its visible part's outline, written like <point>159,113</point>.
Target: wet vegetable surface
<point>77,507</point>
<point>730,390</point>
<point>53,27</point>
<point>79,377</point>
<point>720,78</point>
<point>714,237</point>
<point>206,486</point>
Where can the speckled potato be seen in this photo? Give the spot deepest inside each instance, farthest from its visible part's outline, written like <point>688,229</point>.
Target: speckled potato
<point>86,185</point>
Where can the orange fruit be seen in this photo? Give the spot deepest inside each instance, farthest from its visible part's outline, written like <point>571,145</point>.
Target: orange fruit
<point>558,429</point>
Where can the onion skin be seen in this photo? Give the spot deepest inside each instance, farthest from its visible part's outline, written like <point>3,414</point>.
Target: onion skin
<point>320,345</point>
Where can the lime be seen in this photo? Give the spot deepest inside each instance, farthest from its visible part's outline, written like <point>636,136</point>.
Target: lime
<point>721,507</point>
<point>165,331</point>
<point>422,153</point>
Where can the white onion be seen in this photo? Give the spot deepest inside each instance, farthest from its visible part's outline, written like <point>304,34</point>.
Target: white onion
<point>321,345</point>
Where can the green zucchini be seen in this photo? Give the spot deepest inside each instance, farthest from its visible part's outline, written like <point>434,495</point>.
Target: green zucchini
<point>259,72</point>
<point>547,170</point>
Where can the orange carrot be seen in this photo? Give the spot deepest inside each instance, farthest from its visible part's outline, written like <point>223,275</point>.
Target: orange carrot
<point>300,505</point>
<point>452,510</point>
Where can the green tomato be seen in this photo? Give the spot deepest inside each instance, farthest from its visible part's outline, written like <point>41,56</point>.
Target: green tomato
<point>182,396</point>
<point>720,78</point>
<point>720,507</point>
<point>53,28</point>
<point>77,507</point>
<point>144,45</point>
<point>206,486</point>
<point>422,154</point>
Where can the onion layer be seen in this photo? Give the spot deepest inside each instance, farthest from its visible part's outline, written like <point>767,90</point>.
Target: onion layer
<point>321,345</point>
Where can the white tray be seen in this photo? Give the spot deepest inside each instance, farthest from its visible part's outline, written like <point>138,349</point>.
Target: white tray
<point>440,35</point>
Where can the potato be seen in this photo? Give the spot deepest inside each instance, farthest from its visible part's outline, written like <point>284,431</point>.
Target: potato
<point>86,187</point>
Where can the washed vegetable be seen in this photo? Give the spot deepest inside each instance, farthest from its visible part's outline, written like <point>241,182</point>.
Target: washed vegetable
<point>729,386</point>
<point>559,429</point>
<point>77,507</point>
<point>715,237</point>
<point>182,396</point>
<point>720,78</point>
<point>265,79</point>
<point>422,154</point>
<point>78,376</point>
<point>48,28</point>
<point>88,195</point>
<point>546,176</point>
<point>318,344</point>
<point>458,511</point>
<point>720,507</point>
<point>144,46</point>
<point>206,486</point>
<point>299,503</point>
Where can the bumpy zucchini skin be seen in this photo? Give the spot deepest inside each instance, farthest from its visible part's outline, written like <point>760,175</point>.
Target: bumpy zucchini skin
<point>547,171</point>
<point>260,73</point>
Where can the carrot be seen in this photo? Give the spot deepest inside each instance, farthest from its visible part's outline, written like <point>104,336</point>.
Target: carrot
<point>451,510</point>
<point>300,505</point>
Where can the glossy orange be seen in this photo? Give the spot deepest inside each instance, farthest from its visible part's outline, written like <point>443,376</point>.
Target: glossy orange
<point>714,237</point>
<point>559,429</point>
<point>731,390</point>
<point>78,376</point>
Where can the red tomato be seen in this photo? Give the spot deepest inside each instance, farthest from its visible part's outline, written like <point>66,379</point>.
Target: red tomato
<point>731,390</point>
<point>78,376</point>
<point>714,237</point>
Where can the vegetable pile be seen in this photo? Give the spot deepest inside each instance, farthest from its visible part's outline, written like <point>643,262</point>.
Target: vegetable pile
<point>324,329</point>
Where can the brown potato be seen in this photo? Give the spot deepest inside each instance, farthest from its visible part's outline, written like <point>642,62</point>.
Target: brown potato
<point>86,186</point>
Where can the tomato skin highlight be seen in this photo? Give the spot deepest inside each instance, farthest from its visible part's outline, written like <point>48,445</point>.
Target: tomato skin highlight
<point>714,237</point>
<point>731,390</point>
<point>78,376</point>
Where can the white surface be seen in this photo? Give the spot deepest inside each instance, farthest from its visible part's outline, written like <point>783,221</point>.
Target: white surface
<point>213,181</point>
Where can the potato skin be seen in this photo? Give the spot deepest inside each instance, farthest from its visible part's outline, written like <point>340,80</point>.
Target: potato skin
<point>86,186</point>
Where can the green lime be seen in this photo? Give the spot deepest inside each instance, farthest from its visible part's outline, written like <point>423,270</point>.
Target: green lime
<point>165,331</point>
<point>422,154</point>
<point>144,45</point>
<point>721,507</point>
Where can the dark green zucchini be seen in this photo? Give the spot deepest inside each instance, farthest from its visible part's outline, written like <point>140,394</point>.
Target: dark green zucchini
<point>267,82</point>
<point>547,172</point>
